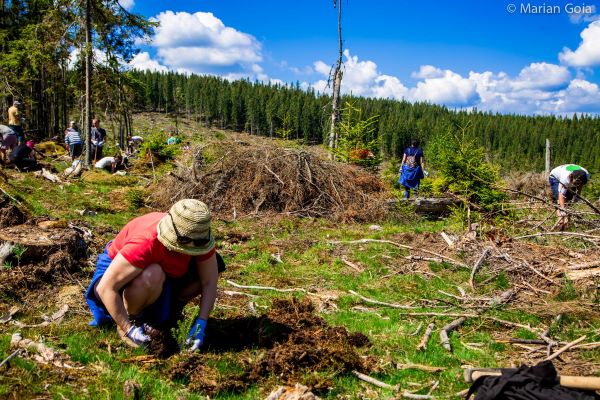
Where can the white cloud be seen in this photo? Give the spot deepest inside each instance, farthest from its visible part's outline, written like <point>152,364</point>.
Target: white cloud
<point>579,96</point>
<point>542,76</point>
<point>428,71</point>
<point>539,88</point>
<point>588,52</point>
<point>360,78</point>
<point>201,43</point>
<point>127,4</point>
<point>445,87</point>
<point>144,62</point>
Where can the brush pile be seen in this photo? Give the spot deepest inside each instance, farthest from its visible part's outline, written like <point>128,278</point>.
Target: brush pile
<point>252,179</point>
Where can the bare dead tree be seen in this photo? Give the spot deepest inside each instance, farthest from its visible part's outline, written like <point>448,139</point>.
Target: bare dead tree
<point>337,83</point>
<point>88,83</point>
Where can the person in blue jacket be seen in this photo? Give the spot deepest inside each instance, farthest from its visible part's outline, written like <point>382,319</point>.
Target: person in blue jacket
<point>412,169</point>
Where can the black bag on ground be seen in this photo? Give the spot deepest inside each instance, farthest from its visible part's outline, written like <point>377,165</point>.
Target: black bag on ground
<point>539,382</point>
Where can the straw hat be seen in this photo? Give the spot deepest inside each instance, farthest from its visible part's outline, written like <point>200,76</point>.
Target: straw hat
<point>186,228</point>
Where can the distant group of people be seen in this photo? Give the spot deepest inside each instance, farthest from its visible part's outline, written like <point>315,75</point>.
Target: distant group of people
<point>16,150</point>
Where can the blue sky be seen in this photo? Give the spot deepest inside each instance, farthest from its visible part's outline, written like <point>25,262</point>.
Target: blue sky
<point>542,58</point>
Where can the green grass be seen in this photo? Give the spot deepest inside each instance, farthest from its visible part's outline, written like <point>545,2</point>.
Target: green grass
<point>310,262</point>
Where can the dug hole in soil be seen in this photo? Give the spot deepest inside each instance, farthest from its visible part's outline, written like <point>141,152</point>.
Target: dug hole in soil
<point>290,343</point>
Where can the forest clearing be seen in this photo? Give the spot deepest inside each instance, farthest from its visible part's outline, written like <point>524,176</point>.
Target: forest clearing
<point>242,200</point>
<point>308,297</point>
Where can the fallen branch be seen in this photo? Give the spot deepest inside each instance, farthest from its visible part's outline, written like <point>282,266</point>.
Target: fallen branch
<point>582,274</point>
<point>444,339</point>
<point>402,246</point>
<point>8,316</point>
<point>7,359</point>
<point>585,265</point>
<point>56,317</point>
<point>447,239</point>
<point>565,348</point>
<point>420,367</point>
<point>480,261</point>
<point>42,353</point>
<point>232,283</point>
<point>372,301</point>
<point>352,265</point>
<point>423,344</point>
<point>374,381</point>
<point>234,293</point>
<point>585,235</point>
<point>408,395</point>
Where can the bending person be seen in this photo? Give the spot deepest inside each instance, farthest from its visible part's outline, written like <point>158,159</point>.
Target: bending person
<point>153,267</point>
<point>566,182</point>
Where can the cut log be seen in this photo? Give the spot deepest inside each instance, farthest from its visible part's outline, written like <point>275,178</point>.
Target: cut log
<point>41,244</point>
<point>428,205</point>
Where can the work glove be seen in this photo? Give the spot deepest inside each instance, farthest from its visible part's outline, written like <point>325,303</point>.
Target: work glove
<point>195,337</point>
<point>425,173</point>
<point>138,335</point>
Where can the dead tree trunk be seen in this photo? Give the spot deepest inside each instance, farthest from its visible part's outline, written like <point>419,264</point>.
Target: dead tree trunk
<point>337,83</point>
<point>88,83</point>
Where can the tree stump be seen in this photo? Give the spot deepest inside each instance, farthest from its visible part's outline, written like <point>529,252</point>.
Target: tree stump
<point>38,245</point>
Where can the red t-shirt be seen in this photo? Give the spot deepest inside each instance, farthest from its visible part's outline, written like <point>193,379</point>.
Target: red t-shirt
<point>138,243</point>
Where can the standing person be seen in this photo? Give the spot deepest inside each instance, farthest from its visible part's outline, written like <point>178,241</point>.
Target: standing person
<point>412,169</point>
<point>566,182</point>
<point>98,138</point>
<point>8,140</point>
<point>14,120</point>
<point>73,141</point>
<point>153,267</point>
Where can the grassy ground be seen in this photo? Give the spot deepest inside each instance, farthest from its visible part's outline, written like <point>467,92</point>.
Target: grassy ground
<point>309,261</point>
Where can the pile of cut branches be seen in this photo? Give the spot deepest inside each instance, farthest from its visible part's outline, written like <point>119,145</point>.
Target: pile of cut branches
<point>250,179</point>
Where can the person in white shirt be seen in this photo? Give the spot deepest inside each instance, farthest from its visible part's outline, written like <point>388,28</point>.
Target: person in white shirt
<point>566,182</point>
<point>109,163</point>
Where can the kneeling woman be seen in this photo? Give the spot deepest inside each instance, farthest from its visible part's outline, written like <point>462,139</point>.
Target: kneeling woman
<point>153,267</point>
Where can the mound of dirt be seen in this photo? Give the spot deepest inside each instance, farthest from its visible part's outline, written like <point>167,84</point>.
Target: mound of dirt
<point>296,343</point>
<point>267,178</point>
<point>10,214</point>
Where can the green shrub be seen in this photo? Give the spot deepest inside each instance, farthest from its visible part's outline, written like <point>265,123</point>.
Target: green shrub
<point>358,140</point>
<point>135,199</point>
<point>156,143</point>
<point>464,170</point>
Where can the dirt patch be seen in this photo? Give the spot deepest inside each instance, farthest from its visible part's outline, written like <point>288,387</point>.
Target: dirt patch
<point>10,214</point>
<point>38,256</point>
<point>276,179</point>
<point>292,342</point>
<point>163,344</point>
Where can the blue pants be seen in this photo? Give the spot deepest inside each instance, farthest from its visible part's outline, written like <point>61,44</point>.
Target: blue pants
<point>554,187</point>
<point>159,313</point>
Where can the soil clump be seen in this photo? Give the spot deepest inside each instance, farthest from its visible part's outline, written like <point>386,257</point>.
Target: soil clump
<point>292,341</point>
